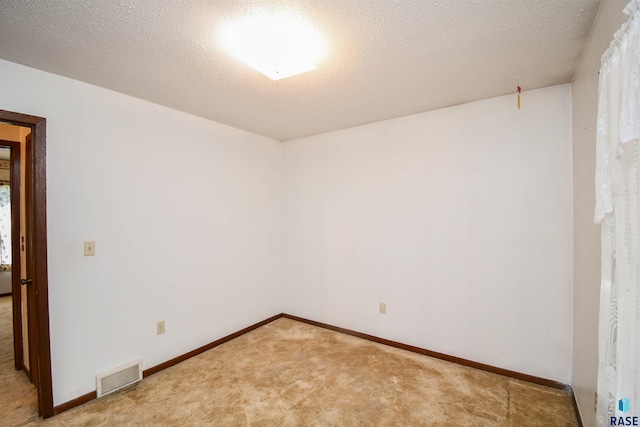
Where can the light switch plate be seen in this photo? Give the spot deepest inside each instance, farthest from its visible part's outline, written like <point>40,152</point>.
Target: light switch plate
<point>89,248</point>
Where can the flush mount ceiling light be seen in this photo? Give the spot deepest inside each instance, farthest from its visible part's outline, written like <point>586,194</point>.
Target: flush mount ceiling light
<point>278,46</point>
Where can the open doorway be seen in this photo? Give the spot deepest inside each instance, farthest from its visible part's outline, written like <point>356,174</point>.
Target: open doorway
<point>29,250</point>
<point>19,389</point>
<point>12,236</point>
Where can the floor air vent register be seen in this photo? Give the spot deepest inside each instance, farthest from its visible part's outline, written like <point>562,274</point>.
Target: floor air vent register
<point>118,378</point>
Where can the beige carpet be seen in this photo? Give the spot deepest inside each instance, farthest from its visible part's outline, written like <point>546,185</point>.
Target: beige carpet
<point>17,394</point>
<point>292,374</point>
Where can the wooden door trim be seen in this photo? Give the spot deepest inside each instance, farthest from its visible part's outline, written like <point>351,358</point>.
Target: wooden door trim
<point>16,291</point>
<point>32,324</point>
<point>42,369</point>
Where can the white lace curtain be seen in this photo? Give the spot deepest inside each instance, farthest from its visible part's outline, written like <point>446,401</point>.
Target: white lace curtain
<point>5,227</point>
<point>618,211</point>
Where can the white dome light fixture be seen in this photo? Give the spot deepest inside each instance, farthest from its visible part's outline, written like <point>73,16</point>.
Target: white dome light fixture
<point>277,45</point>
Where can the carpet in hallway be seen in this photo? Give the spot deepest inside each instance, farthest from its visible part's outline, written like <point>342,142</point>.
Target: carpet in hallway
<point>17,395</point>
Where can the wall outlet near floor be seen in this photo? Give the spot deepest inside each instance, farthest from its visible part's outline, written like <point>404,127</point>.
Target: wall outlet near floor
<point>383,308</point>
<point>160,327</point>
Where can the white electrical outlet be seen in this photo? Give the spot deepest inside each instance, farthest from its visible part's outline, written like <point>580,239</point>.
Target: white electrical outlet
<point>383,308</point>
<point>160,327</point>
<point>89,248</point>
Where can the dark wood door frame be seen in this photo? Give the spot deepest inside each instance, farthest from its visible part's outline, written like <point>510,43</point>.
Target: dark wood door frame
<point>32,326</point>
<point>16,267</point>
<point>38,160</point>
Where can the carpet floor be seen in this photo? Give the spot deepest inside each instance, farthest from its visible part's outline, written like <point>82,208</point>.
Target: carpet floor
<point>17,395</point>
<point>289,373</point>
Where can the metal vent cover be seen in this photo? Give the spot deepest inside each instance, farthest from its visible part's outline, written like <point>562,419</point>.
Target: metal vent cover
<point>118,378</point>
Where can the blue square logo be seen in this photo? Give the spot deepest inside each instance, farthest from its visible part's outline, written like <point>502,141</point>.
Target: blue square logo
<point>623,404</point>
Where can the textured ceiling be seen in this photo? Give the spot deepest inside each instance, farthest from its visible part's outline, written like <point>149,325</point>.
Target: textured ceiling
<point>388,58</point>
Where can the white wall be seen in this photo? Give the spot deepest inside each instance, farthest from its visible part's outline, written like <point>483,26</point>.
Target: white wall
<point>586,233</point>
<point>460,220</point>
<point>186,215</point>
<point>5,282</point>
